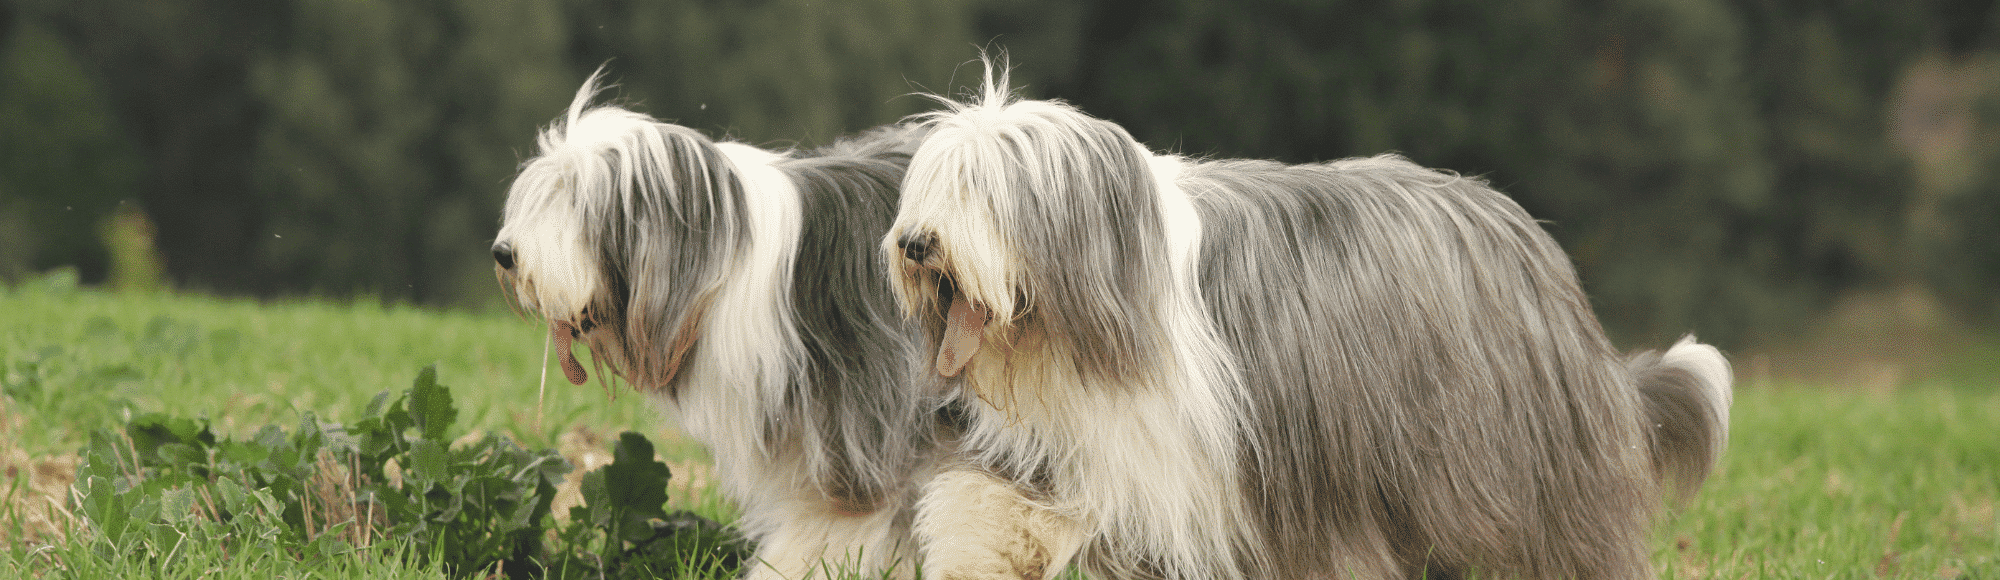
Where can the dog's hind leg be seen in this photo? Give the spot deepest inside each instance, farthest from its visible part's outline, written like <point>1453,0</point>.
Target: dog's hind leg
<point>974,525</point>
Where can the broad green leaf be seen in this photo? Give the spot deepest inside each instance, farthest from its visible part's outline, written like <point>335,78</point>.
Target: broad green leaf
<point>377,405</point>
<point>179,454</point>
<point>103,505</point>
<point>430,405</point>
<point>428,462</point>
<point>637,485</point>
<point>177,505</point>
<point>145,509</point>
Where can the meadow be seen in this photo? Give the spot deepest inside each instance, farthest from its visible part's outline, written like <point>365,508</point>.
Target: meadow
<point>1819,481</point>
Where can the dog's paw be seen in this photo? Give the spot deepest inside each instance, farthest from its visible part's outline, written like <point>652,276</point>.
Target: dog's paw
<point>976,526</point>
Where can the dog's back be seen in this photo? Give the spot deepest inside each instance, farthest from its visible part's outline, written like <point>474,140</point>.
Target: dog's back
<point>1432,390</point>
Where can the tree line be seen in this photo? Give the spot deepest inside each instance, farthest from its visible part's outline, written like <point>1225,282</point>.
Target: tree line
<point>1723,166</point>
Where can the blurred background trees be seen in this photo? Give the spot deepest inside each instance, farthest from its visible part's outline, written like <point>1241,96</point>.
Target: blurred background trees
<point>1731,167</point>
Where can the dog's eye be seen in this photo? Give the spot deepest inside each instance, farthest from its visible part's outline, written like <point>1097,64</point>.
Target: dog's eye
<point>946,288</point>
<point>916,246</point>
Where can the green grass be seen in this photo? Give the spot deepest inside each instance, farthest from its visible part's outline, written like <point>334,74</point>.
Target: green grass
<point>1817,483</point>
<point>213,564</point>
<point>1837,484</point>
<point>74,360</point>
<point>244,364</point>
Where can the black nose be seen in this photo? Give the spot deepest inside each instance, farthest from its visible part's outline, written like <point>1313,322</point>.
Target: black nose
<point>503,253</point>
<point>916,246</point>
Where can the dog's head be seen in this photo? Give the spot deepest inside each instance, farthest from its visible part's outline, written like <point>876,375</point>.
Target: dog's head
<point>617,233</point>
<point>1030,221</point>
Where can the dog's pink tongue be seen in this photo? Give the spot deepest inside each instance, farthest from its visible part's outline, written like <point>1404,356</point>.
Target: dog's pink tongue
<point>562,331</point>
<point>963,327</point>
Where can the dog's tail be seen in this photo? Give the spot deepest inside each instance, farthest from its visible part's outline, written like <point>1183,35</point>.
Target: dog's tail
<point>1687,392</point>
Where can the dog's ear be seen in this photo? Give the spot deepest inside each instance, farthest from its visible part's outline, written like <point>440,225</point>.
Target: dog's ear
<point>1096,254</point>
<point>675,238</point>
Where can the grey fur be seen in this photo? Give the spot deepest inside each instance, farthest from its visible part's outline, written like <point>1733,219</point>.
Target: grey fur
<point>1428,381</point>
<point>856,396</point>
<point>663,250</point>
<point>1103,283</point>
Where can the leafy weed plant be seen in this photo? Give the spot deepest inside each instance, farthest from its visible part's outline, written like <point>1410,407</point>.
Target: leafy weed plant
<point>393,484</point>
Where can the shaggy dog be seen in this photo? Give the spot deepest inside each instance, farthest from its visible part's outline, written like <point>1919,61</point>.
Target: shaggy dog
<point>1182,368</point>
<point>741,288</point>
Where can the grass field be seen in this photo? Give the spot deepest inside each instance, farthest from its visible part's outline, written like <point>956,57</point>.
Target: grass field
<point>1819,482</point>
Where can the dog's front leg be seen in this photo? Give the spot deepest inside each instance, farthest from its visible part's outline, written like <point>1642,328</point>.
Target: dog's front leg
<point>816,542</point>
<point>974,525</point>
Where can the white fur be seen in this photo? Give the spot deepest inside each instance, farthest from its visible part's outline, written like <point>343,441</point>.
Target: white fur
<point>544,218</point>
<point>951,214</point>
<point>977,525</point>
<point>749,328</point>
<point>1712,369</point>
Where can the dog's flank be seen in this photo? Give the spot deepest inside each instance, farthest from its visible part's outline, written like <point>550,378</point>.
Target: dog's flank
<point>1219,369</point>
<point>855,344</point>
<point>742,288</point>
<point>1418,328</point>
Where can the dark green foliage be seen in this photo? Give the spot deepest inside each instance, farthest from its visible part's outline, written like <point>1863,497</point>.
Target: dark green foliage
<point>1714,166</point>
<point>616,498</point>
<point>65,161</point>
<point>344,148</point>
<point>173,78</point>
<point>1722,166</point>
<point>393,483</point>
<point>681,544</point>
<point>640,539</point>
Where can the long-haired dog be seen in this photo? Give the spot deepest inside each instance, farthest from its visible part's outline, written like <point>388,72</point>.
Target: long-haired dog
<point>1177,368</point>
<point>742,289</point>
